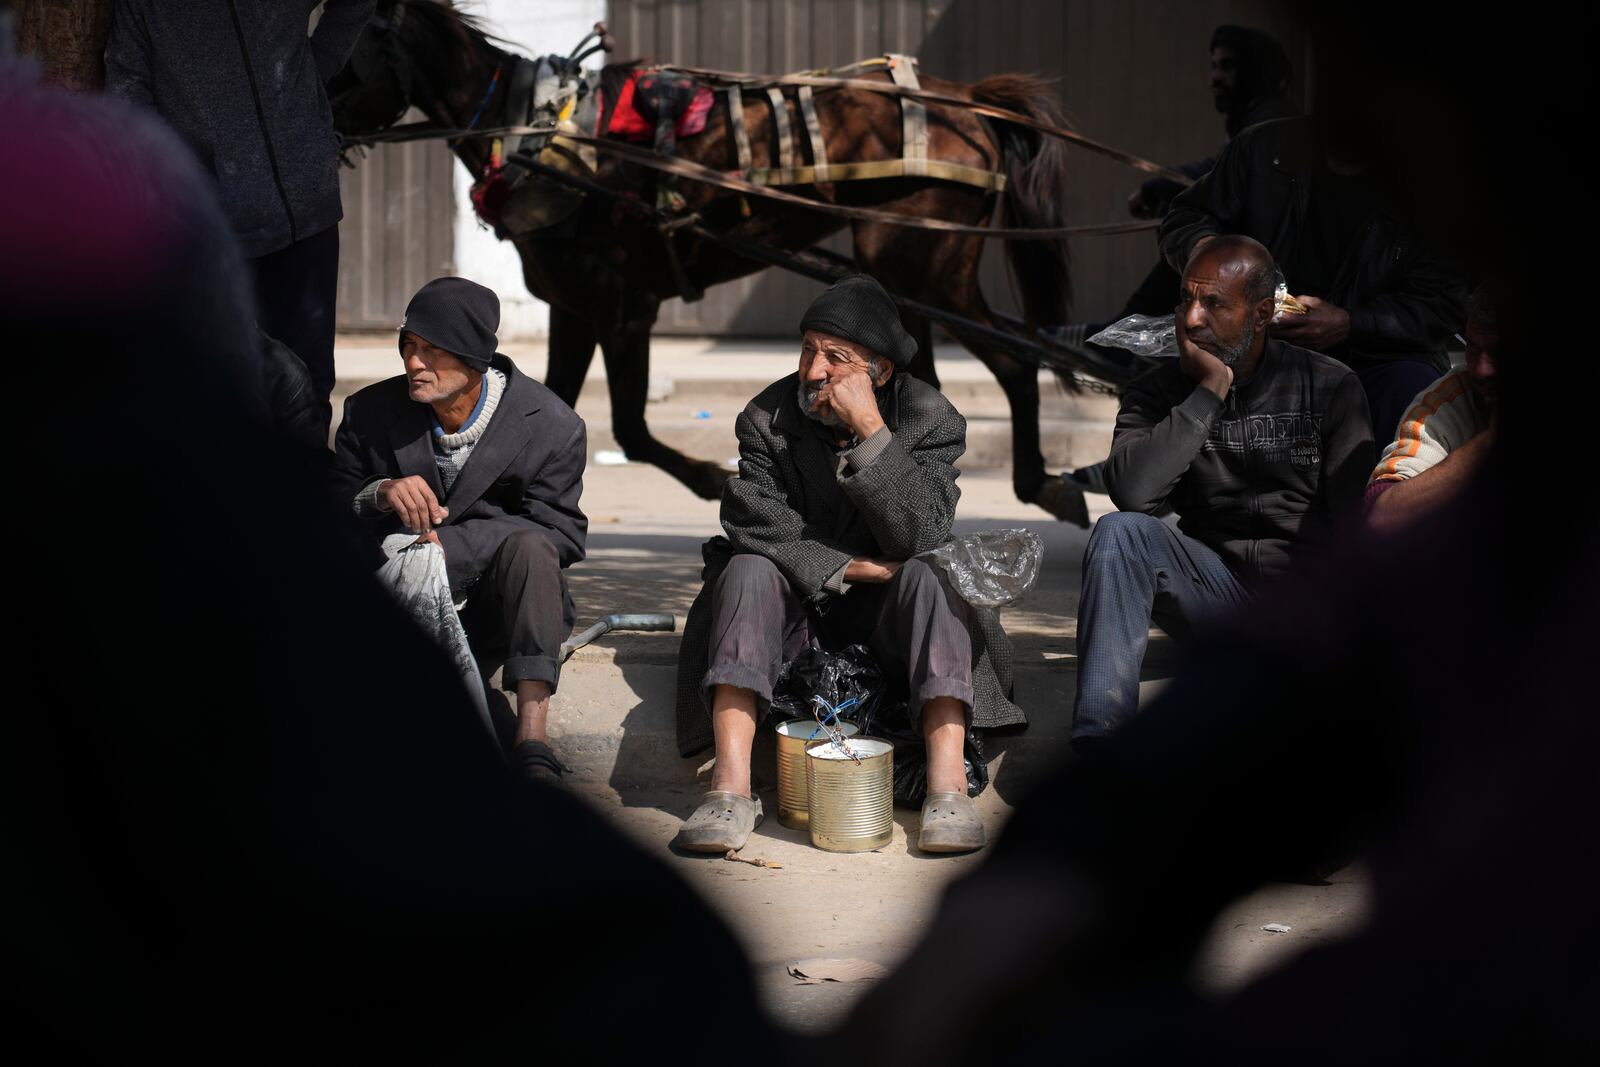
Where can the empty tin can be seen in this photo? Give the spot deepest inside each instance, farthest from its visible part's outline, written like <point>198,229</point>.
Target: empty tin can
<point>852,804</point>
<point>793,737</point>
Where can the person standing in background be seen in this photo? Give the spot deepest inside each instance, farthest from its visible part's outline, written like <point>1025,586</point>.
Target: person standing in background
<point>243,83</point>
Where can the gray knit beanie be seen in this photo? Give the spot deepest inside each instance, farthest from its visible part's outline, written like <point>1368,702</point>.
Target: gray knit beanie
<point>859,309</point>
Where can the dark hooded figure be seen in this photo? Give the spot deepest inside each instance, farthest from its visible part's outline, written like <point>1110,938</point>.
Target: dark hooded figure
<point>1250,75</point>
<point>1251,79</point>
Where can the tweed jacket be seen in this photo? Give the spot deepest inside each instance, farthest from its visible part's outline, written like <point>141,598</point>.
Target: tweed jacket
<point>526,472</point>
<point>791,503</point>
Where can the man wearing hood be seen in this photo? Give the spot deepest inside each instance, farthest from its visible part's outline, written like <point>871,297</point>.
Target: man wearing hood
<point>1251,79</point>
<point>846,473</point>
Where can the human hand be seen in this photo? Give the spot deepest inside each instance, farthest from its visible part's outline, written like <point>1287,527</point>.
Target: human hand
<point>412,499</point>
<point>866,569</point>
<point>849,394</point>
<point>1324,325</point>
<point>1201,365</point>
<point>431,538</point>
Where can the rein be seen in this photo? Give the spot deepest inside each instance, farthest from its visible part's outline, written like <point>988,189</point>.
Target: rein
<point>759,81</point>
<point>696,172</point>
<point>421,131</point>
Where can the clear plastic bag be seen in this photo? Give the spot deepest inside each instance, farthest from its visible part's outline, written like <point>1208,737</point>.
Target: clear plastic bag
<point>1155,336</point>
<point>991,569</point>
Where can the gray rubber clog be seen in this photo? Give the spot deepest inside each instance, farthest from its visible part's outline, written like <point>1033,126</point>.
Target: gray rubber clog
<point>950,823</point>
<point>723,821</point>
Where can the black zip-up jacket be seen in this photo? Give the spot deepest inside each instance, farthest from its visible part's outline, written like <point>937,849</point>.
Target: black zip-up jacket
<point>1404,302</point>
<point>1255,475</point>
<point>243,84</point>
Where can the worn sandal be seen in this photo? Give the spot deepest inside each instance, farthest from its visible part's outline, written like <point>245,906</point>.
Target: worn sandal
<point>950,823</point>
<point>723,821</point>
<point>538,761</point>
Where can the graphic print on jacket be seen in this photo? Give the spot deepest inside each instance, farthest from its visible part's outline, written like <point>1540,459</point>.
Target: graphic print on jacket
<point>1292,435</point>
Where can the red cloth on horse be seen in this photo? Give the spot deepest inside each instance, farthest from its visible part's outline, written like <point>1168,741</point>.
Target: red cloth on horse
<point>628,124</point>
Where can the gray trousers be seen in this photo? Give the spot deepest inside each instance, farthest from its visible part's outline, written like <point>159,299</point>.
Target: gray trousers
<point>519,612</point>
<point>917,628</point>
<point>1137,570</point>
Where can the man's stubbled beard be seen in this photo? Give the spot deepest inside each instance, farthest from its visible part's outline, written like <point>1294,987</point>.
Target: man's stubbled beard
<point>1230,355</point>
<point>806,396</point>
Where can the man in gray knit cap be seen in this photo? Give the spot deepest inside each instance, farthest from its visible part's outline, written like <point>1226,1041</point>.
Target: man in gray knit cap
<point>465,452</point>
<point>846,472</point>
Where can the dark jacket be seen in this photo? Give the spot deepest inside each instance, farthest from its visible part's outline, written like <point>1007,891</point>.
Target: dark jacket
<point>791,505</point>
<point>1159,192</point>
<point>1404,302</point>
<point>526,471</point>
<point>291,398</point>
<point>243,84</point>
<point>1254,475</point>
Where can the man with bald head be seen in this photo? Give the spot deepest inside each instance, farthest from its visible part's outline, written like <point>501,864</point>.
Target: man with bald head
<point>1256,444</point>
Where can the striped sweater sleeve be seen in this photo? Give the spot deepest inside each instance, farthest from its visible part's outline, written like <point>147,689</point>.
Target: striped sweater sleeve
<point>1440,419</point>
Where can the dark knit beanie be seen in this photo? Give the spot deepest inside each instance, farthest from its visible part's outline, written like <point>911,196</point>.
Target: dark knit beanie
<point>458,316</point>
<point>858,309</point>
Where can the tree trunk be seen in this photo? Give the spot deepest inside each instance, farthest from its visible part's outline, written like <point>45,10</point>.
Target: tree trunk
<point>68,37</point>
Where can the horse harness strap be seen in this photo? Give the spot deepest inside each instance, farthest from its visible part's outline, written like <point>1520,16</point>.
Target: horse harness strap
<point>913,115</point>
<point>741,138</point>
<point>819,146</point>
<point>788,170</point>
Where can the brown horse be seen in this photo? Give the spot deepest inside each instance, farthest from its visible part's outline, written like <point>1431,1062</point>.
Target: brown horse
<point>605,271</point>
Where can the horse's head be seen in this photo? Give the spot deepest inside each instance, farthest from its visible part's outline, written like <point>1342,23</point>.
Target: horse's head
<point>373,89</point>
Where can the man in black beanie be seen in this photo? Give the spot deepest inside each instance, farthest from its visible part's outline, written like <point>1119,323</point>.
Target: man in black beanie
<point>846,472</point>
<point>465,452</point>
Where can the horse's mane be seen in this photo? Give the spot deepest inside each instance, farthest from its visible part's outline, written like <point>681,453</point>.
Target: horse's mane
<point>454,38</point>
<point>444,15</point>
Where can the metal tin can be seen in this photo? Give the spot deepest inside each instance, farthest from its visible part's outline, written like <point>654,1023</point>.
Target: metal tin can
<point>793,737</point>
<point>852,804</point>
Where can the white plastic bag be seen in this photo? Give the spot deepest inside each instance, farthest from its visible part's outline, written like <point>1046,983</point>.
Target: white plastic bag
<point>414,572</point>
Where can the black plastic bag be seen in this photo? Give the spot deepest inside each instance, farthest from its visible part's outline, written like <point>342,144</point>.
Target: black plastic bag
<point>911,758</point>
<point>849,680</point>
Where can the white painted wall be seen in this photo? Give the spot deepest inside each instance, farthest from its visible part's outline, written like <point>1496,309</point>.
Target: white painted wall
<point>533,28</point>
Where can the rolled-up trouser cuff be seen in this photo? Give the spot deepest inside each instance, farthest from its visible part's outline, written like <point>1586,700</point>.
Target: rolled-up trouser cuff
<point>934,688</point>
<point>737,674</point>
<point>529,669</point>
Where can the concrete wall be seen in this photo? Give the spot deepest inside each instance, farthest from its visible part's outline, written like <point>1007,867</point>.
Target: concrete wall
<point>533,29</point>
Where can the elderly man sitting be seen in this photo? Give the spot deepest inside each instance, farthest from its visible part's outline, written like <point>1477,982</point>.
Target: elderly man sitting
<point>467,453</point>
<point>846,472</point>
<point>1256,444</point>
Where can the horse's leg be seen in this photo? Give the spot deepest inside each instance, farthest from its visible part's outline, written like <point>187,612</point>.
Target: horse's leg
<point>626,351</point>
<point>921,331</point>
<point>1019,380</point>
<point>572,341</point>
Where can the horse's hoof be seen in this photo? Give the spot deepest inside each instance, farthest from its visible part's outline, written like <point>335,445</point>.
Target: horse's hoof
<point>1064,500</point>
